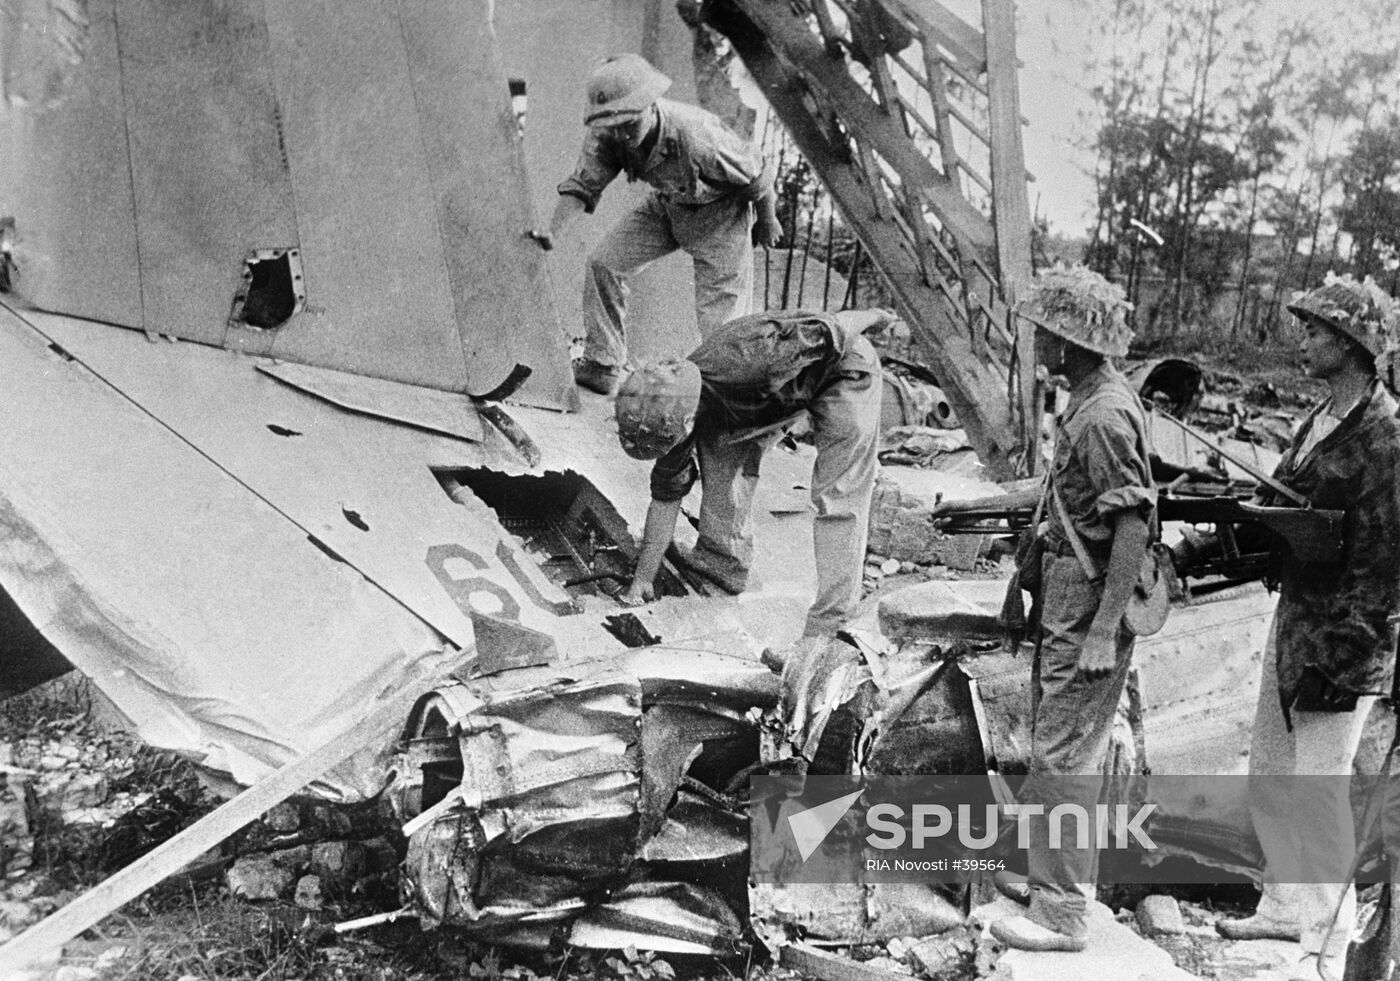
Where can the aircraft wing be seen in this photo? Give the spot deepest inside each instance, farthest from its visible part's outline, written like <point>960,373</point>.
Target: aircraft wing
<point>240,564</point>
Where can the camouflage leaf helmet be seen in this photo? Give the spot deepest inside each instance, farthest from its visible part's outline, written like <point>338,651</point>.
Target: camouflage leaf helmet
<point>621,87</point>
<point>1078,304</point>
<point>1361,311</point>
<point>655,407</point>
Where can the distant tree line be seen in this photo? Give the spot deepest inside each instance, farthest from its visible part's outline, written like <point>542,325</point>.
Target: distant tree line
<point>1243,148</point>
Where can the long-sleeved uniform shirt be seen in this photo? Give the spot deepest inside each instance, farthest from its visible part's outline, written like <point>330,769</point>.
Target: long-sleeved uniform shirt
<point>755,372</point>
<point>1339,617</point>
<point>694,160</point>
<point>1102,465</point>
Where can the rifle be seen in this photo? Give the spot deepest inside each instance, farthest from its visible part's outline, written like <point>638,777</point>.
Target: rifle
<point>1246,533</point>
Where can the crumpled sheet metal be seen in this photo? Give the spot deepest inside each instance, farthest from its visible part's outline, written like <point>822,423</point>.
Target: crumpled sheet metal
<point>676,917</point>
<point>851,707</point>
<point>531,794</point>
<point>828,681</point>
<point>549,780</point>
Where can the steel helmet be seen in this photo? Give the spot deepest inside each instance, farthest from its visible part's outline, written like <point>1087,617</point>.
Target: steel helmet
<point>656,406</point>
<point>1081,306</point>
<point>1362,311</point>
<point>622,86</point>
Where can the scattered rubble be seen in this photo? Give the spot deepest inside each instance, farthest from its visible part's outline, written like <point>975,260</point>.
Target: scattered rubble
<point>1160,915</point>
<point>902,528</point>
<point>258,877</point>
<point>308,892</point>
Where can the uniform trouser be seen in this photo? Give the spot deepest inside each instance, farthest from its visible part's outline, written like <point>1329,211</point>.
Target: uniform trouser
<point>715,235</point>
<point>1072,722</point>
<point>846,428</point>
<point>1305,827</point>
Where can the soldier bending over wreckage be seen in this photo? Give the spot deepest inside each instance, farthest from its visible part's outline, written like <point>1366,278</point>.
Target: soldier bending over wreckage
<point>712,415</point>
<point>1099,498</point>
<point>706,182</point>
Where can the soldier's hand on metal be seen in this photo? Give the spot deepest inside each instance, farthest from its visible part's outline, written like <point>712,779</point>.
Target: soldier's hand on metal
<point>1098,656</point>
<point>541,238</point>
<point>768,233</point>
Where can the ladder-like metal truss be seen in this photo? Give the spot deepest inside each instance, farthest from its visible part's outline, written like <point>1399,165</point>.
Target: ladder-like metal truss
<point>909,115</point>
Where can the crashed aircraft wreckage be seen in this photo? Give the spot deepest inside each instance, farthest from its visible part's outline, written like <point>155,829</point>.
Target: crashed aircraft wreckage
<point>266,286</point>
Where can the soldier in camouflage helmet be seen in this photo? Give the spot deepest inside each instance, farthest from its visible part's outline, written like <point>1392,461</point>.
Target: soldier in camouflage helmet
<point>1101,502</point>
<point>1331,649</point>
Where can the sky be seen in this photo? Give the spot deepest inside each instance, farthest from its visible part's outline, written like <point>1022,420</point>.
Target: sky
<point>1054,95</point>
<point>1053,37</point>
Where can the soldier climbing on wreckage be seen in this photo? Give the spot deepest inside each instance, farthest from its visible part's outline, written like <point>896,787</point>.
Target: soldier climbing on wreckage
<point>707,187</point>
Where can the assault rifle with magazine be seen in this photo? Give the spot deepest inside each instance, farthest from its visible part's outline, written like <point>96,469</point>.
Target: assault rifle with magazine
<point>1226,536</point>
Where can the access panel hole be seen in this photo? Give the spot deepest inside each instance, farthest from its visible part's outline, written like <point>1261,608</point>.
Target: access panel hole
<point>271,291</point>
<point>565,524</point>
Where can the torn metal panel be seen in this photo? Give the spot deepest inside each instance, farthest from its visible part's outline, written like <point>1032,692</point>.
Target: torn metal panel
<point>930,725</point>
<point>829,696</point>
<point>677,917</point>
<point>441,412</point>
<point>545,796</point>
<point>695,676</point>
<point>502,645</point>
<point>532,795</point>
<point>1000,687</point>
<point>695,830</point>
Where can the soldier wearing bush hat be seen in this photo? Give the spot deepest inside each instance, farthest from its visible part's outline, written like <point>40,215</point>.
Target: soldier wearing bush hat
<point>711,416</point>
<point>707,185</point>
<point>1100,501</point>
